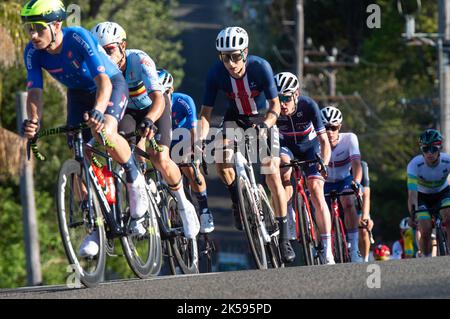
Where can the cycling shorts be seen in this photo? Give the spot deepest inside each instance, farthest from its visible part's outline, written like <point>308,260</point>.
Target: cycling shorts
<point>311,169</point>
<point>425,201</point>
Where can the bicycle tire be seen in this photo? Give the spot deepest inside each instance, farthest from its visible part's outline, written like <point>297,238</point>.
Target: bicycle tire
<point>441,242</point>
<point>144,261</point>
<point>272,248</point>
<point>90,278</point>
<point>338,241</point>
<point>185,250</point>
<point>305,234</point>
<point>206,248</point>
<point>249,213</point>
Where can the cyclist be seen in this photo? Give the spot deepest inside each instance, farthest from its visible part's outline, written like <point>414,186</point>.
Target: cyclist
<point>248,83</point>
<point>406,246</point>
<point>366,222</point>
<point>302,136</point>
<point>381,252</point>
<point>428,186</point>
<point>184,125</point>
<point>147,109</point>
<point>345,156</point>
<point>97,93</point>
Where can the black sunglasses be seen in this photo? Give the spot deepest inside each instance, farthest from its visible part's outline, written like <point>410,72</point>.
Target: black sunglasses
<point>285,98</point>
<point>331,128</point>
<point>235,57</point>
<point>430,149</point>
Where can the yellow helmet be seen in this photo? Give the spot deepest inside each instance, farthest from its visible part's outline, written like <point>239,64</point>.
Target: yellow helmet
<point>43,11</point>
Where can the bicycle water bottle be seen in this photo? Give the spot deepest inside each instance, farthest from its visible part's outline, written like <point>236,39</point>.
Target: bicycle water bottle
<point>110,191</point>
<point>99,174</point>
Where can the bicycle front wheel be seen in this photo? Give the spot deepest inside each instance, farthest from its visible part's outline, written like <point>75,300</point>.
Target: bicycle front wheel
<point>73,215</point>
<point>250,215</point>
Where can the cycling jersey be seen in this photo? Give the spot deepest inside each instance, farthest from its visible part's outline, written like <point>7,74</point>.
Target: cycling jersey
<point>81,59</point>
<point>406,247</point>
<point>247,95</point>
<point>342,156</point>
<point>426,179</point>
<point>299,130</point>
<point>142,79</point>
<point>184,112</point>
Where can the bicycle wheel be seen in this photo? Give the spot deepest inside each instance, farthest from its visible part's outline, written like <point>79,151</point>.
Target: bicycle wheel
<point>143,253</point>
<point>206,249</point>
<point>441,242</point>
<point>250,214</point>
<point>272,248</point>
<point>340,244</point>
<point>72,212</point>
<point>184,249</point>
<point>304,223</point>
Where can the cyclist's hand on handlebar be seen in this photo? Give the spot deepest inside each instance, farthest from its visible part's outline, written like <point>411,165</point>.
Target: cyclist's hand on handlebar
<point>147,128</point>
<point>30,128</point>
<point>358,186</point>
<point>323,169</point>
<point>95,120</point>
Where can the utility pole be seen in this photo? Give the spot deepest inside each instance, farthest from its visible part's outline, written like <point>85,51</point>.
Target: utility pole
<point>443,44</point>
<point>300,39</point>
<point>34,276</point>
<point>441,41</point>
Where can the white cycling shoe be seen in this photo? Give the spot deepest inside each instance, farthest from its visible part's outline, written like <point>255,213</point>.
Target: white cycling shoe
<point>137,227</point>
<point>191,225</point>
<point>206,223</point>
<point>292,227</point>
<point>138,197</point>
<point>90,245</point>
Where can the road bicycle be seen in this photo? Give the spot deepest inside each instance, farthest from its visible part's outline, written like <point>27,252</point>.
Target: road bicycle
<point>83,208</point>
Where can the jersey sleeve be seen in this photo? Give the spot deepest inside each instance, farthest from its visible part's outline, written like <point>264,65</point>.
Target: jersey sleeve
<point>34,70</point>
<point>90,51</point>
<point>211,88</point>
<point>270,88</point>
<point>316,117</point>
<point>149,74</point>
<point>365,181</point>
<point>354,147</point>
<point>191,111</point>
<point>412,176</point>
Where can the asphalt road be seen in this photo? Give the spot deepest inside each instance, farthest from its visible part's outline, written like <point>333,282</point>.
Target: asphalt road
<point>414,278</point>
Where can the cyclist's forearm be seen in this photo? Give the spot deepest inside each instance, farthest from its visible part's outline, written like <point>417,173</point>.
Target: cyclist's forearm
<point>104,90</point>
<point>325,148</point>
<point>158,106</point>
<point>412,200</point>
<point>34,105</point>
<point>272,114</point>
<point>357,170</point>
<point>366,203</point>
<point>205,118</point>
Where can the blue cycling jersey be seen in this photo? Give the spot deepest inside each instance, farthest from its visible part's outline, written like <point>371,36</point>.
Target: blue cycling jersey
<point>299,130</point>
<point>244,94</point>
<point>184,113</point>
<point>81,59</point>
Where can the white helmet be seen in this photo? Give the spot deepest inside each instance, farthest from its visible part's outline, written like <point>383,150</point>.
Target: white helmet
<point>286,83</point>
<point>165,79</point>
<point>331,116</point>
<point>232,39</point>
<point>404,224</point>
<point>108,32</point>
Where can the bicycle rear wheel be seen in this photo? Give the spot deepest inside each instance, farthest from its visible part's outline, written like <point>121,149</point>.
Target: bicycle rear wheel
<point>206,250</point>
<point>143,253</point>
<point>305,224</point>
<point>341,254</point>
<point>441,242</point>
<point>272,248</point>
<point>72,212</point>
<point>184,249</point>
<point>250,214</point>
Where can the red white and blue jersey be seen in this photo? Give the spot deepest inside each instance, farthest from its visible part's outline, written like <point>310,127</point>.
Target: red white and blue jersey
<point>247,95</point>
<point>342,156</point>
<point>81,59</point>
<point>299,130</point>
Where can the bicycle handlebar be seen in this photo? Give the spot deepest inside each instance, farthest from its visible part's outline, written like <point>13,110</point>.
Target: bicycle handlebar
<point>153,144</point>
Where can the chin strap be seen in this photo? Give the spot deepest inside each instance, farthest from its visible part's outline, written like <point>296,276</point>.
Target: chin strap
<point>53,37</point>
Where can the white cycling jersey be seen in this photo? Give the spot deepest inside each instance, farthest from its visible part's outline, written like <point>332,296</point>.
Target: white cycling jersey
<point>342,155</point>
<point>142,79</point>
<point>427,179</point>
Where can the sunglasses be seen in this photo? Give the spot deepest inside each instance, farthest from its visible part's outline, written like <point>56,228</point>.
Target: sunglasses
<point>285,98</point>
<point>331,128</point>
<point>38,27</point>
<point>235,57</point>
<point>430,149</point>
<point>110,48</point>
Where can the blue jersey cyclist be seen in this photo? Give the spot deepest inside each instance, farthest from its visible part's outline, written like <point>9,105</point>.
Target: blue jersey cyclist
<point>428,186</point>
<point>96,92</point>
<point>148,108</point>
<point>184,125</point>
<point>302,136</point>
<point>248,83</point>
